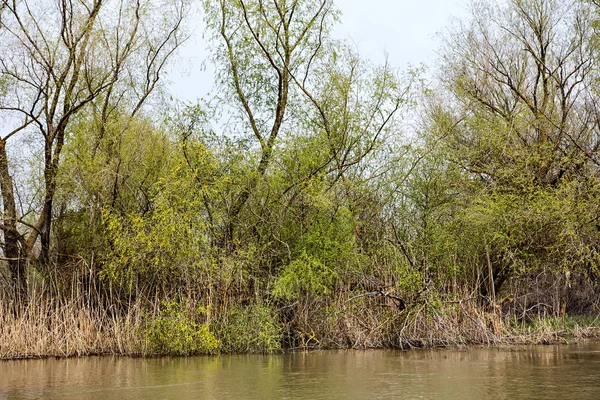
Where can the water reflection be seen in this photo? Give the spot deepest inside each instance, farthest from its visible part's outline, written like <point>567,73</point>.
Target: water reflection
<point>565,372</point>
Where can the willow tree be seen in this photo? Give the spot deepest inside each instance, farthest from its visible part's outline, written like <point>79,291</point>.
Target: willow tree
<point>528,66</point>
<point>280,71</point>
<point>262,46</point>
<point>519,118</point>
<point>57,59</point>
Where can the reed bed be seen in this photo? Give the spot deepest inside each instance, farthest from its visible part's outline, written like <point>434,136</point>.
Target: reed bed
<point>82,324</point>
<point>68,328</point>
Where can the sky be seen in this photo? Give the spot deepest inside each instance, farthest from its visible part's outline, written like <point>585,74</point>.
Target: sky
<point>406,30</point>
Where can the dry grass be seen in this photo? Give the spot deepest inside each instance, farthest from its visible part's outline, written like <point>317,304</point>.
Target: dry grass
<point>371,324</point>
<point>424,326</point>
<point>67,328</point>
<point>77,325</point>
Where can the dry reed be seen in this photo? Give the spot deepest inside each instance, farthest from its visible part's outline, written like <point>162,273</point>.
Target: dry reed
<point>67,328</point>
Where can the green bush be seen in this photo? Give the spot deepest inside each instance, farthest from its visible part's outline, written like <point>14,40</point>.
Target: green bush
<point>253,329</point>
<point>306,274</point>
<point>175,331</point>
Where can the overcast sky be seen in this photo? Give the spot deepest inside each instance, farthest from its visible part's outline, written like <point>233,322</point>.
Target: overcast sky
<point>404,29</point>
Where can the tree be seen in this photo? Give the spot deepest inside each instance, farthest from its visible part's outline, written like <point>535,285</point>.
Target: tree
<point>520,122</point>
<point>58,60</point>
<point>525,68</point>
<point>263,46</point>
<point>286,74</point>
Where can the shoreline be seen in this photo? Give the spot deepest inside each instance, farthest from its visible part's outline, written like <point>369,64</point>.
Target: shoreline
<point>556,338</point>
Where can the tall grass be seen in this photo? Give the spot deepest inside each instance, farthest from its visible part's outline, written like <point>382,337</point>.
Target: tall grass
<point>68,327</point>
<point>371,323</point>
<point>76,322</point>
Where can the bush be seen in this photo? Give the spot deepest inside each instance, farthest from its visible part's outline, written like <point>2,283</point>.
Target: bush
<point>175,331</point>
<point>253,329</point>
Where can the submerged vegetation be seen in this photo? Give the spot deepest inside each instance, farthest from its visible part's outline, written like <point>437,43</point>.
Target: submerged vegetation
<point>297,208</point>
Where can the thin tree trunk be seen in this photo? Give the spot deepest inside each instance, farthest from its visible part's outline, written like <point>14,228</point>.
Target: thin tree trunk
<point>52,157</point>
<point>45,231</point>
<point>492,290</point>
<point>11,248</point>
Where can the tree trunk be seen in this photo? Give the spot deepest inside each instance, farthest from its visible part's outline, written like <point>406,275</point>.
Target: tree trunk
<point>11,248</point>
<point>51,158</point>
<point>45,231</point>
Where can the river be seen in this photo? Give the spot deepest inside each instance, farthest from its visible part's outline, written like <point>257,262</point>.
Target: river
<point>541,372</point>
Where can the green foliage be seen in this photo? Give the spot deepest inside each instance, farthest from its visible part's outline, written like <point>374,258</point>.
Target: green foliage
<point>549,323</point>
<point>108,167</point>
<point>251,329</point>
<point>408,279</point>
<point>176,331</point>
<point>306,275</point>
<point>168,241</point>
<point>297,205</point>
<point>323,250</point>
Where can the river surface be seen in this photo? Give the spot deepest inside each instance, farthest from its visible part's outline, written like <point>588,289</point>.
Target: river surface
<point>543,372</point>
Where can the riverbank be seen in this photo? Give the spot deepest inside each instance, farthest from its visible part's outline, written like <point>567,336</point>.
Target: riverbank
<point>74,329</point>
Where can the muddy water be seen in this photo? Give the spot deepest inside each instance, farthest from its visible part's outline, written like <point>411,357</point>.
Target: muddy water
<point>545,372</point>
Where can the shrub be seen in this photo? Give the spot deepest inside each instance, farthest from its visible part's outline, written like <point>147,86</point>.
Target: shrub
<point>175,331</point>
<point>253,329</point>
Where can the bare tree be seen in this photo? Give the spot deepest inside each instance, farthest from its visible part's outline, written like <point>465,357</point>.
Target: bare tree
<point>519,116</point>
